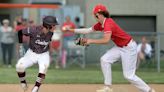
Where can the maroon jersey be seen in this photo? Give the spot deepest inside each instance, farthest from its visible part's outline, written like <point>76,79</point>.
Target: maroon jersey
<point>39,41</point>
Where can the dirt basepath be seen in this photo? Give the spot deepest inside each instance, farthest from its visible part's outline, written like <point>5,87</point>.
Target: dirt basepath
<point>76,88</point>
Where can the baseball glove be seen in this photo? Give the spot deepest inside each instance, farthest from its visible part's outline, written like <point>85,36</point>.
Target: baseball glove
<point>81,41</point>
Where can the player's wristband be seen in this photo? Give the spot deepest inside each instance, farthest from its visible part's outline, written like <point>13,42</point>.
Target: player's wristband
<point>21,50</point>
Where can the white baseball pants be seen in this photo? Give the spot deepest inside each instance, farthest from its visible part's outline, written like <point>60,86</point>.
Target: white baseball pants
<point>128,55</point>
<point>31,58</point>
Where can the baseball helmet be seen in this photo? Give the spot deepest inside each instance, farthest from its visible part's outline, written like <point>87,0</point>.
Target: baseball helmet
<point>98,8</point>
<point>49,21</point>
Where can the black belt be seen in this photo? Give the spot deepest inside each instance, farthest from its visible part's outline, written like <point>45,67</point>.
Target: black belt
<point>126,43</point>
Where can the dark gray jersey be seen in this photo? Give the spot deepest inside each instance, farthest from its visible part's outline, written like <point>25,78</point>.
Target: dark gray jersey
<point>39,41</point>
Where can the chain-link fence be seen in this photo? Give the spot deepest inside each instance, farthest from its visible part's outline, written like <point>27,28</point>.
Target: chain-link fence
<point>91,54</point>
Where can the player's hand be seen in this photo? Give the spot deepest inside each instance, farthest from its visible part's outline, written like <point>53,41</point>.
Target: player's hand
<point>21,50</point>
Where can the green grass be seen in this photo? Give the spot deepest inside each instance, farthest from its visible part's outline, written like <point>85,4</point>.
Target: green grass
<point>90,75</point>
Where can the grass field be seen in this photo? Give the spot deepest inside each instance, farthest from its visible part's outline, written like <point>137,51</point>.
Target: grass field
<point>89,75</point>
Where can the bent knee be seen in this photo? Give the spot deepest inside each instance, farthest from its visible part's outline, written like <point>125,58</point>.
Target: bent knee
<point>129,77</point>
<point>20,67</point>
<point>43,68</point>
<point>102,59</point>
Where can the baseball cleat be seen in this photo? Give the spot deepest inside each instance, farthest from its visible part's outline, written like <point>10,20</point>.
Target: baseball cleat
<point>24,86</point>
<point>35,89</point>
<point>105,89</point>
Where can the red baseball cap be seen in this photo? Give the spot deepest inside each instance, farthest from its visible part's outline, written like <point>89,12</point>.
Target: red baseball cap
<point>98,8</point>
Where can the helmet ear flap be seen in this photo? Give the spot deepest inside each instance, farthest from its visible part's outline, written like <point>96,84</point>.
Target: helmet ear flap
<point>47,26</point>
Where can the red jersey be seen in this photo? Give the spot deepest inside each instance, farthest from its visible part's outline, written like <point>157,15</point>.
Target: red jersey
<point>119,37</point>
<point>68,25</point>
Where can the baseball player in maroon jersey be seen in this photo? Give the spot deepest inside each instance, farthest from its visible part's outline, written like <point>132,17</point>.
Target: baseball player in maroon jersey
<point>126,49</point>
<point>38,52</point>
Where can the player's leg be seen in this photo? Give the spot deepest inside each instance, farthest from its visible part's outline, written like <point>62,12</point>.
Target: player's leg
<point>21,65</point>
<point>106,60</point>
<point>43,62</point>
<point>129,59</point>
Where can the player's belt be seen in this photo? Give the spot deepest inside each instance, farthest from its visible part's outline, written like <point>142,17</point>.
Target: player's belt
<point>38,52</point>
<point>126,43</point>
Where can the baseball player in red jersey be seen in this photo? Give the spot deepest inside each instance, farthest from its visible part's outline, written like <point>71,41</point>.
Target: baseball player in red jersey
<point>38,52</point>
<point>126,49</point>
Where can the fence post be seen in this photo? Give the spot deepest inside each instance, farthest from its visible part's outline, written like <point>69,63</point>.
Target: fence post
<point>158,52</point>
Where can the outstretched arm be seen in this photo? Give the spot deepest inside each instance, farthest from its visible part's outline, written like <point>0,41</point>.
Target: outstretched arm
<point>106,38</point>
<point>79,31</point>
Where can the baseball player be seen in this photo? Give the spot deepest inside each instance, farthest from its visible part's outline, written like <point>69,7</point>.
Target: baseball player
<point>38,52</point>
<point>126,49</point>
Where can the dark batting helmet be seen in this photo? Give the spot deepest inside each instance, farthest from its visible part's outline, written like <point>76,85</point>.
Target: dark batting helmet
<point>49,21</point>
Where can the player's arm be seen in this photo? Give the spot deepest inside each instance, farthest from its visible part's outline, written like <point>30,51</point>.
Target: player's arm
<point>22,32</point>
<point>20,48</point>
<point>26,31</point>
<point>80,31</point>
<point>20,37</point>
<point>104,40</point>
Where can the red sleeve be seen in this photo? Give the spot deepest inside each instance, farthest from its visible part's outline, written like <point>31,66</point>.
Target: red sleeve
<point>97,27</point>
<point>107,27</point>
